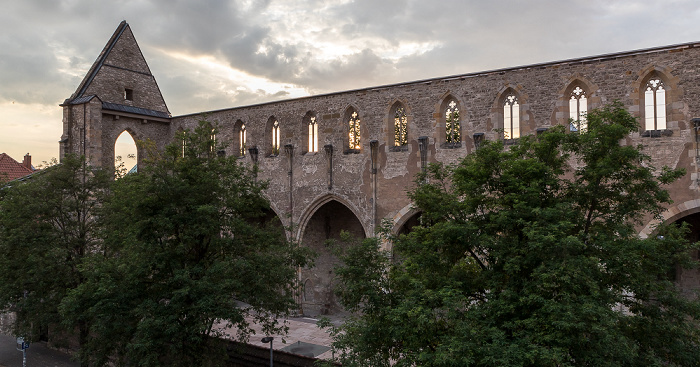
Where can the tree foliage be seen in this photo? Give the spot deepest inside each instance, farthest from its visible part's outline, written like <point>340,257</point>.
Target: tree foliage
<point>48,230</point>
<point>184,250</point>
<point>528,255</point>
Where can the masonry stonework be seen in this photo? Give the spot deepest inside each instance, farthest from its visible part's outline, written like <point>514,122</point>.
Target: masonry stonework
<point>318,194</point>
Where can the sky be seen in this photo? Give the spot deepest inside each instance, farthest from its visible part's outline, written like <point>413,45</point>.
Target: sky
<point>215,54</point>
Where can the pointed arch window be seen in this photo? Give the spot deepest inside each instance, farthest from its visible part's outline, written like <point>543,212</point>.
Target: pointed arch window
<point>655,105</point>
<point>242,140</point>
<point>511,117</point>
<point>452,125</point>
<point>354,131</point>
<point>313,135</point>
<point>400,128</point>
<point>578,107</point>
<point>212,140</point>
<point>275,138</point>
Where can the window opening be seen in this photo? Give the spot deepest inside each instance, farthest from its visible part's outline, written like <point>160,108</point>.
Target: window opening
<point>242,140</point>
<point>400,128</point>
<point>655,105</point>
<point>313,135</point>
<point>452,130</point>
<point>128,94</point>
<point>354,131</point>
<point>578,107</point>
<point>511,118</point>
<point>275,138</point>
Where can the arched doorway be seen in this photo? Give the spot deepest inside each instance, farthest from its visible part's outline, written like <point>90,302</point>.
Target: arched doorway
<point>322,235</point>
<point>125,154</point>
<point>689,279</point>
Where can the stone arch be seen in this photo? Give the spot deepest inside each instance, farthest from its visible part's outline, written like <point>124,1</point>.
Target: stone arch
<point>268,148</point>
<point>241,139</point>
<point>441,122</point>
<point>594,99</point>
<point>321,201</point>
<point>124,144</point>
<point>320,231</point>
<point>391,111</point>
<point>675,118</point>
<point>671,215</point>
<point>352,129</point>
<point>309,133</point>
<point>402,217</point>
<point>526,123</point>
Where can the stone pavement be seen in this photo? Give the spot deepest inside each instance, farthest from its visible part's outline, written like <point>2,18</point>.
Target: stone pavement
<point>38,355</point>
<point>301,329</point>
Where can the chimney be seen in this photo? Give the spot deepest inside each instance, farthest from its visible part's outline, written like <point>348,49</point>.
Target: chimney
<point>27,162</point>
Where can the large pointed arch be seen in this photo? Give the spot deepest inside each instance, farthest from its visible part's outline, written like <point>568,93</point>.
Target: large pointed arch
<point>126,152</point>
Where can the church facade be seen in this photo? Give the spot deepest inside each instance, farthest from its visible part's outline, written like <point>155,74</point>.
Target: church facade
<point>343,161</point>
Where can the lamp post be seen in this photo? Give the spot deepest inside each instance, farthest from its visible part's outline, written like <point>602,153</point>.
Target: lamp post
<point>269,339</point>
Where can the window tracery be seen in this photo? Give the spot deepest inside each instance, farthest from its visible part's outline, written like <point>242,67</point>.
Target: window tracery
<point>400,128</point>
<point>452,125</point>
<point>242,140</point>
<point>578,107</point>
<point>354,131</point>
<point>655,105</point>
<point>275,138</point>
<point>313,135</point>
<point>511,117</point>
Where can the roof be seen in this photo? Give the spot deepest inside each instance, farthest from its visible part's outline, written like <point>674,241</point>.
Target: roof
<point>135,110</point>
<point>10,169</point>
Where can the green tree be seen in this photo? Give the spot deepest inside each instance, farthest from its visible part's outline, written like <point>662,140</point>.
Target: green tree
<point>528,255</point>
<point>185,250</point>
<point>48,230</point>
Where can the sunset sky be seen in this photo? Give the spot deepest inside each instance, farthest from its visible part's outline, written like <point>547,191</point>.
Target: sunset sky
<point>215,54</point>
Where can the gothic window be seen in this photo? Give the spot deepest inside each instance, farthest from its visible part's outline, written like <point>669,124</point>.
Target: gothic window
<point>313,135</point>
<point>275,138</point>
<point>242,140</point>
<point>655,105</point>
<point>452,126</point>
<point>511,117</point>
<point>578,107</point>
<point>354,131</point>
<point>400,128</point>
<point>212,140</point>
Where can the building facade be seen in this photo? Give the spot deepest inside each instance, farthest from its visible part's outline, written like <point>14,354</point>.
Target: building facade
<point>343,161</point>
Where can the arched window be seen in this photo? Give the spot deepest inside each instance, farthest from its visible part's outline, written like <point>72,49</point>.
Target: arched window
<point>655,105</point>
<point>578,107</point>
<point>511,117</point>
<point>275,138</point>
<point>242,140</point>
<point>212,140</point>
<point>453,133</point>
<point>313,135</point>
<point>400,128</point>
<point>354,131</point>
<point>125,153</point>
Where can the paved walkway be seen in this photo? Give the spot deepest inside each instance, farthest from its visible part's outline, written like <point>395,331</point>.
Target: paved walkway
<point>38,355</point>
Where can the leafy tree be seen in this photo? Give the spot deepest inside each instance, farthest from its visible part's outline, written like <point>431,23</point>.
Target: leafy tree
<point>184,250</point>
<point>528,255</point>
<point>48,230</point>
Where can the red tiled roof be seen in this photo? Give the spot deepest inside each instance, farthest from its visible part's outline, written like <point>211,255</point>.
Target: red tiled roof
<point>10,169</point>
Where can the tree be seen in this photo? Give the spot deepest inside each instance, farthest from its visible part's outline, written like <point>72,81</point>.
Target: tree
<point>184,250</point>
<point>48,230</point>
<point>528,255</point>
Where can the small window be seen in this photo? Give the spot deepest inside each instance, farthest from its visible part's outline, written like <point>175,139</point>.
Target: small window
<point>313,135</point>
<point>242,136</point>
<point>655,105</point>
<point>275,138</point>
<point>511,117</point>
<point>128,94</point>
<point>354,131</point>
<point>578,107</point>
<point>400,128</point>
<point>452,129</point>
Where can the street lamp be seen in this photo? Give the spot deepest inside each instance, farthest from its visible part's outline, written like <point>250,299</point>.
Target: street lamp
<point>269,339</point>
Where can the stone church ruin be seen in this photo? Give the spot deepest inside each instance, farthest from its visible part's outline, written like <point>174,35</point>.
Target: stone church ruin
<point>342,161</point>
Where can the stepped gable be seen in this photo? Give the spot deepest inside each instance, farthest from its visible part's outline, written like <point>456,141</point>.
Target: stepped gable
<point>121,78</point>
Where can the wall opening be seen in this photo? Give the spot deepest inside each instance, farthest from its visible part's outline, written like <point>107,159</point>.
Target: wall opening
<point>689,279</point>
<point>322,235</point>
<point>125,154</point>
